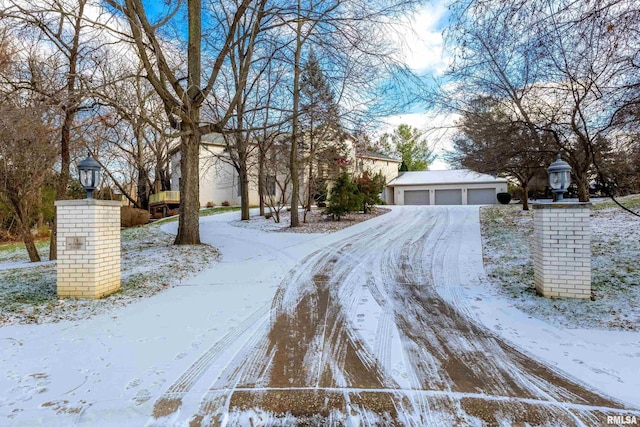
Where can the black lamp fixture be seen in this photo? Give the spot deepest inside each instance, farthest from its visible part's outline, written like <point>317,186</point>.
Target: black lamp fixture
<point>559,177</point>
<point>89,171</point>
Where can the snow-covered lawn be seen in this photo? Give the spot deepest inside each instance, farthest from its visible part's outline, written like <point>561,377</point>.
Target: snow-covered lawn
<point>150,263</point>
<point>313,222</point>
<point>507,233</point>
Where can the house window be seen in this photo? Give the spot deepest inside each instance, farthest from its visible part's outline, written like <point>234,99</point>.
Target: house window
<point>270,185</point>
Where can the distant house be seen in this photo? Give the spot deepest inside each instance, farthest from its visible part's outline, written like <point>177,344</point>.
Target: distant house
<point>375,163</point>
<point>219,181</point>
<point>448,187</point>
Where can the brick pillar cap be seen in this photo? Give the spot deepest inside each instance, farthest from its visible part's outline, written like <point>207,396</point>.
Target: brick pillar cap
<point>570,205</point>
<point>87,202</point>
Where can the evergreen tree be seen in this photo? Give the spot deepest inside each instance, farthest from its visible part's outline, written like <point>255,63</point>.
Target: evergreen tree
<point>320,124</point>
<point>344,197</point>
<point>409,144</point>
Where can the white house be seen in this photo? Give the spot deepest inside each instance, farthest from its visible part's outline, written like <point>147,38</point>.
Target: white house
<point>448,187</point>
<point>375,163</point>
<point>219,180</point>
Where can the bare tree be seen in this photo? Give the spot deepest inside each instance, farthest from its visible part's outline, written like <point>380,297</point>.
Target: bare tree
<point>591,71</point>
<point>245,71</point>
<point>27,154</point>
<point>277,169</point>
<point>490,142</point>
<point>183,92</point>
<point>566,72</point>
<point>137,131</point>
<point>345,31</point>
<point>270,132</point>
<point>62,27</point>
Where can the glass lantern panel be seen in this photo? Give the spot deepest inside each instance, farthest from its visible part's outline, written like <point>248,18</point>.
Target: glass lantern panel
<point>84,178</point>
<point>567,179</point>
<point>96,178</point>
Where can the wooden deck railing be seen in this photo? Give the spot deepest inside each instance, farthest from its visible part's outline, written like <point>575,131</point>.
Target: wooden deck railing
<point>165,197</point>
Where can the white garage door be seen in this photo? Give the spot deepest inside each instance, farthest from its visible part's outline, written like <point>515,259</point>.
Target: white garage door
<point>481,196</point>
<point>416,197</point>
<point>448,197</point>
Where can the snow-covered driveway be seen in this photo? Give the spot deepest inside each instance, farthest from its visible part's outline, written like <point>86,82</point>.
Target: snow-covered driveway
<point>364,326</point>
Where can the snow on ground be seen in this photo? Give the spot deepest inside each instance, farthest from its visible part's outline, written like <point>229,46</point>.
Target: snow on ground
<point>595,341</point>
<point>150,263</point>
<point>314,221</point>
<point>615,245</point>
<point>109,369</point>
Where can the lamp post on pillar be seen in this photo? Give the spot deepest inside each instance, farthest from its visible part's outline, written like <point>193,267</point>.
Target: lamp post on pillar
<point>559,177</point>
<point>562,241</point>
<point>89,172</point>
<point>88,240</point>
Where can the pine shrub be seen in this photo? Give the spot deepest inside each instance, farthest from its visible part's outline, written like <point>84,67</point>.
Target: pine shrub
<point>344,197</point>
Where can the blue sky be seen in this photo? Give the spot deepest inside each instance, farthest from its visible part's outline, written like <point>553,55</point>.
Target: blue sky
<point>422,50</point>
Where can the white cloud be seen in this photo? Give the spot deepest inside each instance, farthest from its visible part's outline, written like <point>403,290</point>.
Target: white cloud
<point>419,38</point>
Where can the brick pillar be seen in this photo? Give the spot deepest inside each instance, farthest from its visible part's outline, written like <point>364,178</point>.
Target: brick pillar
<point>88,248</point>
<point>562,250</point>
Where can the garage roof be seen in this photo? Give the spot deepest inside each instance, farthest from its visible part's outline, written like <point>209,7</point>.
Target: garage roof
<point>456,176</point>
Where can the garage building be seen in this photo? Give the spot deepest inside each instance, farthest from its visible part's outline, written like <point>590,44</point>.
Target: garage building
<point>450,187</point>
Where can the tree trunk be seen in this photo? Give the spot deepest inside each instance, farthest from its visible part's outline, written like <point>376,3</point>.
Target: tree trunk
<point>143,177</point>
<point>310,178</point>
<point>189,220</point>
<point>525,197</point>
<point>63,179</point>
<point>244,192</point>
<point>27,238</point>
<point>295,178</point>
<point>582,183</point>
<point>163,180</point>
<point>143,189</point>
<point>261,181</point>
<point>65,131</point>
<point>53,244</point>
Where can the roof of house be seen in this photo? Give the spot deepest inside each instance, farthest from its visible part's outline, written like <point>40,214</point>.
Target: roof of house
<point>456,176</point>
<point>375,155</point>
<point>208,139</point>
<point>217,139</point>
<point>213,138</point>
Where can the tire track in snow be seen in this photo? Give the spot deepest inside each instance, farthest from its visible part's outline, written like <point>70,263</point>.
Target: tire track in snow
<point>418,359</point>
<point>171,400</point>
<point>214,405</point>
<point>473,358</point>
